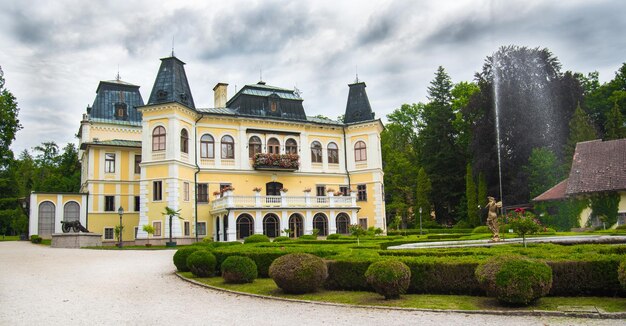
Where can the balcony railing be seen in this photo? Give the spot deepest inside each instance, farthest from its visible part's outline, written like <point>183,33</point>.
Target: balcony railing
<point>228,200</point>
<point>282,162</point>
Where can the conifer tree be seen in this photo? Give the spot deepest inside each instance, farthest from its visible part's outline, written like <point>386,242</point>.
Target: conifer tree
<point>580,129</point>
<point>614,124</point>
<point>422,196</point>
<point>470,195</point>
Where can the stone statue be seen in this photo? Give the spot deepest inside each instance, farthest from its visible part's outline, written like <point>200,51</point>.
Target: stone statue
<point>73,225</point>
<point>492,218</point>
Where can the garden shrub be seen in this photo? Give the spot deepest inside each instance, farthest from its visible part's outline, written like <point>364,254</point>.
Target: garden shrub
<point>481,229</point>
<point>308,237</point>
<point>201,263</point>
<point>514,279</point>
<point>256,238</point>
<point>281,239</point>
<point>442,276</point>
<point>180,257</point>
<point>263,260</point>
<point>239,269</point>
<point>443,236</point>
<point>298,273</point>
<point>621,274</point>
<point>621,227</point>
<point>35,238</point>
<point>389,278</point>
<point>334,236</point>
<point>596,277</point>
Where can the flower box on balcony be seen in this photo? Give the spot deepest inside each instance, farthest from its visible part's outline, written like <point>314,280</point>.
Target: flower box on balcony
<point>282,162</point>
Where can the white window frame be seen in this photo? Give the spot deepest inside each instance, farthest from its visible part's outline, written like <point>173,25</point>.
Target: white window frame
<point>205,230</point>
<point>109,164</point>
<point>186,191</point>
<point>154,223</point>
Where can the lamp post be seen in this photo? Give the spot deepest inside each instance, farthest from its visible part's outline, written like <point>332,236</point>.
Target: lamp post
<point>121,212</point>
<point>420,220</point>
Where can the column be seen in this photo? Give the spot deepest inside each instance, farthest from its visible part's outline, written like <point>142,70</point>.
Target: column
<point>258,223</point>
<point>308,222</point>
<point>232,227</point>
<point>332,222</point>
<point>284,222</point>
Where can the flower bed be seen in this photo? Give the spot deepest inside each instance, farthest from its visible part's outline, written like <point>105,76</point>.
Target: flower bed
<point>276,161</point>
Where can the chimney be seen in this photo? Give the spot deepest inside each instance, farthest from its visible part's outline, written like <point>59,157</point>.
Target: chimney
<point>220,95</point>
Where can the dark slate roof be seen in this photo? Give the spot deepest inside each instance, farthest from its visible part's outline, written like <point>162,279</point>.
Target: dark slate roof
<point>171,84</point>
<point>358,107</point>
<point>112,93</point>
<point>114,142</point>
<point>598,166</point>
<point>261,100</point>
<point>555,193</point>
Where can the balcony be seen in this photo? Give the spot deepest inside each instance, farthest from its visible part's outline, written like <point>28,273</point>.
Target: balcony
<point>276,162</point>
<point>228,201</point>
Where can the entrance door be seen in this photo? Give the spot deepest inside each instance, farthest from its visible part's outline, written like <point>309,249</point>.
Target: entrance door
<point>273,188</point>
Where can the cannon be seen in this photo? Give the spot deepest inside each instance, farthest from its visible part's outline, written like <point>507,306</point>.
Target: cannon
<point>73,225</point>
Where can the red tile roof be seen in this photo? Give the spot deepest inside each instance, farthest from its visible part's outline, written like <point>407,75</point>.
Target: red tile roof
<point>555,193</point>
<point>598,166</point>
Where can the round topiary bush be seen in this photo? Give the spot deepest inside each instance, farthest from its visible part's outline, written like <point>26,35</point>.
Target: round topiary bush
<point>621,274</point>
<point>255,238</point>
<point>389,278</point>
<point>281,239</point>
<point>481,229</point>
<point>333,236</point>
<point>298,273</point>
<point>201,263</point>
<point>515,280</point>
<point>180,257</point>
<point>239,269</point>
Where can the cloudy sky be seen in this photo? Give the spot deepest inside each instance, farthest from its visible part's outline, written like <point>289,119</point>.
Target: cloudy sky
<point>54,53</point>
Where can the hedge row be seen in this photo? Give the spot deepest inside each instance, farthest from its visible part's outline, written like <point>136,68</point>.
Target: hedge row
<point>570,278</point>
<point>428,231</point>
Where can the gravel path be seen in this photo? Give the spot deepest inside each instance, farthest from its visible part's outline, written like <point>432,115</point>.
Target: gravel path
<point>42,285</point>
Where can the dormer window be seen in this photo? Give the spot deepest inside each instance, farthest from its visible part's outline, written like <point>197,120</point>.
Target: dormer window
<point>183,97</point>
<point>161,94</point>
<point>120,111</point>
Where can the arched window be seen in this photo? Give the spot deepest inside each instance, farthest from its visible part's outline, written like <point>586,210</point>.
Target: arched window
<point>228,147</point>
<point>343,221</point>
<point>273,146</point>
<point>207,146</point>
<point>158,139</point>
<point>46,219</point>
<point>316,152</point>
<point>291,147</point>
<point>333,153</point>
<point>271,226</point>
<point>296,226</point>
<point>254,146</point>
<point>184,141</point>
<point>360,151</point>
<point>245,226</point>
<point>71,211</point>
<point>320,222</point>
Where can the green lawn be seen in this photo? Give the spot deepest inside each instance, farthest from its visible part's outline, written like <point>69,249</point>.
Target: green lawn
<point>266,286</point>
<point>10,238</point>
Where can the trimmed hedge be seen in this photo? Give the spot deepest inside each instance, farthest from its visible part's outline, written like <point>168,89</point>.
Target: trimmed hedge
<point>299,273</point>
<point>347,275</point>
<point>621,274</point>
<point>515,280</point>
<point>428,231</point>
<point>281,239</point>
<point>256,238</point>
<point>180,257</point>
<point>333,236</point>
<point>586,277</point>
<point>35,238</point>
<point>239,269</point>
<point>389,278</point>
<point>444,236</point>
<point>201,263</point>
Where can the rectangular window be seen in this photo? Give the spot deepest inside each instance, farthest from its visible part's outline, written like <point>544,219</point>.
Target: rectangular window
<point>186,191</point>
<point>344,191</point>
<point>157,228</point>
<point>157,190</point>
<point>137,161</point>
<point>320,190</point>
<point>201,231</point>
<point>202,193</point>
<point>187,228</point>
<point>136,231</point>
<point>109,203</point>
<point>137,204</point>
<point>108,234</point>
<point>361,193</point>
<point>109,163</point>
<point>363,223</point>
<point>224,185</point>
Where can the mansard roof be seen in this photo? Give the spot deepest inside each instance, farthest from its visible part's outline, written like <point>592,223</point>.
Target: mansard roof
<point>112,93</point>
<point>358,108</point>
<point>261,100</point>
<point>171,84</point>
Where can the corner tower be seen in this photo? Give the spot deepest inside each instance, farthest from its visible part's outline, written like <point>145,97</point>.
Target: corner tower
<point>358,108</point>
<point>171,84</point>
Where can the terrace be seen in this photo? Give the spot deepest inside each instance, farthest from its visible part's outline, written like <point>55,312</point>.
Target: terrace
<point>228,200</point>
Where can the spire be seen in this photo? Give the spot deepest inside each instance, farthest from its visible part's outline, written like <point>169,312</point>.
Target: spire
<point>171,84</point>
<point>358,108</point>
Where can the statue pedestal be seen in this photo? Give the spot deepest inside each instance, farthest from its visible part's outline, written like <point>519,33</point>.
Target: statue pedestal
<point>76,240</point>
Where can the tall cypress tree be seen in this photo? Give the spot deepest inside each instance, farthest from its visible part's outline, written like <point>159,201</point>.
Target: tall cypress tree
<point>470,195</point>
<point>614,124</point>
<point>580,129</point>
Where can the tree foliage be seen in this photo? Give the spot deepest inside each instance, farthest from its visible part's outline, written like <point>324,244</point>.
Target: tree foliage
<point>9,123</point>
<point>543,171</point>
<point>614,125</point>
<point>470,195</point>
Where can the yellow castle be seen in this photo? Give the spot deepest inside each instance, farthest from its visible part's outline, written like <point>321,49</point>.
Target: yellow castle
<point>252,164</point>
